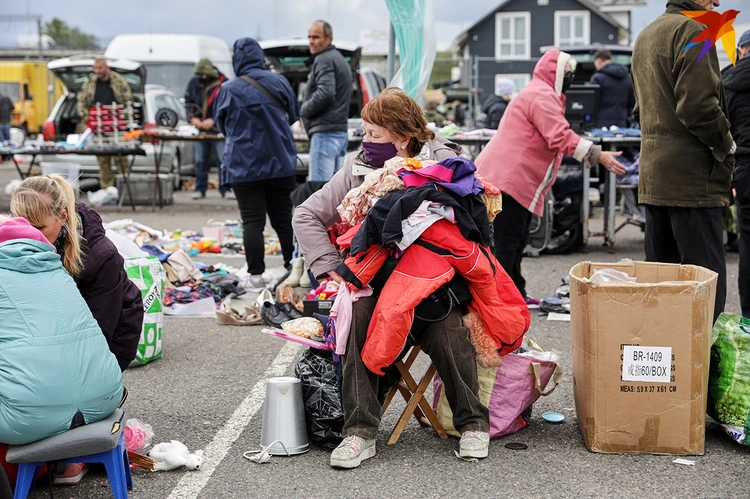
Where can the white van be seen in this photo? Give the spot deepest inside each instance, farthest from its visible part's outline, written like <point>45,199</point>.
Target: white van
<point>169,59</point>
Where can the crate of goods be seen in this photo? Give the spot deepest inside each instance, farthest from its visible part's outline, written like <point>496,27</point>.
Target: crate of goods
<point>70,171</point>
<point>311,307</point>
<point>143,188</point>
<point>641,356</point>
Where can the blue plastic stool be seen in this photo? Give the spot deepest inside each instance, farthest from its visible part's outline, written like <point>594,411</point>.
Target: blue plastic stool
<point>101,442</point>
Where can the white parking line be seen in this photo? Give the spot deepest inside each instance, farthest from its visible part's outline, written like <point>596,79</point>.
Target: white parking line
<point>193,482</point>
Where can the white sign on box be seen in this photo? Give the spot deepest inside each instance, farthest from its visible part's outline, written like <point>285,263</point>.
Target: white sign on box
<point>649,364</point>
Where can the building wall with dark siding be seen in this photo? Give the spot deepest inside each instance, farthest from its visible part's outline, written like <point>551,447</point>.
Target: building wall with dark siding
<point>481,38</point>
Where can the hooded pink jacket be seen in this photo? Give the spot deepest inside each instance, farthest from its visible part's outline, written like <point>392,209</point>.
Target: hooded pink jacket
<point>522,159</point>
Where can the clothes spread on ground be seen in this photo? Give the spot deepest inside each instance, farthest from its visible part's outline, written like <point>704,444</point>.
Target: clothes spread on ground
<point>192,293</point>
<point>382,226</point>
<point>454,174</point>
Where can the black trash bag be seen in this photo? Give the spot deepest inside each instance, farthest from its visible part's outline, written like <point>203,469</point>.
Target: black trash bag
<point>320,391</point>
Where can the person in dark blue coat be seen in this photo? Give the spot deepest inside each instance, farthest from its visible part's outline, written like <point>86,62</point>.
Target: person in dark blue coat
<point>617,97</point>
<point>254,112</point>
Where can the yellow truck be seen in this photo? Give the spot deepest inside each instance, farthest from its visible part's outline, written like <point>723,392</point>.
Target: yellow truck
<point>34,91</point>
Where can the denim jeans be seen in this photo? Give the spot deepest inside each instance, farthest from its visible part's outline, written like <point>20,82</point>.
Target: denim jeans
<point>202,153</point>
<point>4,136</point>
<point>4,132</point>
<point>327,150</point>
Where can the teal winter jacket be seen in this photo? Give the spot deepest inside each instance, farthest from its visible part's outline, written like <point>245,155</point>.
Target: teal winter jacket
<point>54,360</point>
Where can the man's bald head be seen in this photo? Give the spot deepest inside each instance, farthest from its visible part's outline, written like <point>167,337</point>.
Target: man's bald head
<point>101,69</point>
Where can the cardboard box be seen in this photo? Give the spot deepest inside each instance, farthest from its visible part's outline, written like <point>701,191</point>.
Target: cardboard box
<point>641,357</point>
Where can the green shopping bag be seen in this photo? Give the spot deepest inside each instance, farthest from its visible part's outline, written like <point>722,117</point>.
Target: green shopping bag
<point>148,274</point>
<point>729,378</point>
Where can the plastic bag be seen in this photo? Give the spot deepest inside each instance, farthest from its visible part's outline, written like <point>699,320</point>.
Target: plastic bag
<point>322,396</point>
<point>103,196</point>
<point>611,275</point>
<point>729,378</point>
<point>138,435</point>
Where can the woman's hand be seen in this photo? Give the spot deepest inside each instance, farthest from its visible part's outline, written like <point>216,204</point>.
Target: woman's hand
<point>608,161</point>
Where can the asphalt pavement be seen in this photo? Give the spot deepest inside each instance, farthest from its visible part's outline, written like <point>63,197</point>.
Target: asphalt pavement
<point>207,392</point>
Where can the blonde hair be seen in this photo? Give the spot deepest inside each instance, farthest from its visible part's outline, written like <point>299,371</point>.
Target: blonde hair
<point>37,199</point>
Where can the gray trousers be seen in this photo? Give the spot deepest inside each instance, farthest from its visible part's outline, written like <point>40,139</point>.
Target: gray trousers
<point>448,345</point>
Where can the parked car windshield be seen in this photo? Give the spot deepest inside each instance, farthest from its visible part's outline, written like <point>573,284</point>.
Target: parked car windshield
<point>173,75</point>
<point>10,89</point>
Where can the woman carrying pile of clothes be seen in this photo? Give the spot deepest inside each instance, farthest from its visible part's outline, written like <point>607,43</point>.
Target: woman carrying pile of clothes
<point>415,260</point>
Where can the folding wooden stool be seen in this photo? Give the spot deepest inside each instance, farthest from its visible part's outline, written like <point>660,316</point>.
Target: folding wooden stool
<point>416,403</point>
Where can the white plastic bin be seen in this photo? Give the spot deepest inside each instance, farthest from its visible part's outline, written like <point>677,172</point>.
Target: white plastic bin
<point>70,171</point>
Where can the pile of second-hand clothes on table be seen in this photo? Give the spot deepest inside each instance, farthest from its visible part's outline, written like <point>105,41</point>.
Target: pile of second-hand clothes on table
<point>430,224</point>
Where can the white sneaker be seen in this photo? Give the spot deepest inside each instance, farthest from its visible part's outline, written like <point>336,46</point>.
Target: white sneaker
<point>352,451</point>
<point>263,297</point>
<point>255,284</point>
<point>474,444</point>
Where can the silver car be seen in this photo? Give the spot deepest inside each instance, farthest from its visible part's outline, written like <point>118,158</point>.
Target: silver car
<point>63,120</point>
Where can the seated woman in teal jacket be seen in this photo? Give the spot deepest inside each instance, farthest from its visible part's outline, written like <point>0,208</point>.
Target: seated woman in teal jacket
<point>56,370</point>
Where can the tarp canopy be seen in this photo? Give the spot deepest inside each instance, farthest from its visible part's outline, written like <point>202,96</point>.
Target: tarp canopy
<point>413,23</point>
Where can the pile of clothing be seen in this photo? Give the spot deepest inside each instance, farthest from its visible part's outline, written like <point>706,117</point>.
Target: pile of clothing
<point>425,224</point>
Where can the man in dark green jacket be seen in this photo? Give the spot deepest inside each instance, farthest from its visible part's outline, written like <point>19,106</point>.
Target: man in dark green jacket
<point>687,149</point>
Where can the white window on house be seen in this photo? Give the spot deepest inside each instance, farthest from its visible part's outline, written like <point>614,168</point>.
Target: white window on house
<point>520,79</point>
<point>513,35</point>
<point>572,27</point>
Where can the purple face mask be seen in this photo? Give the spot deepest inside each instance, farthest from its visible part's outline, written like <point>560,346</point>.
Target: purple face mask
<point>378,153</point>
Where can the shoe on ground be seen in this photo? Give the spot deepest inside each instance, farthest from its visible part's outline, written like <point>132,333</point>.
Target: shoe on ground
<point>274,276</point>
<point>352,451</point>
<point>291,311</point>
<point>298,268</point>
<point>229,195</point>
<point>532,303</point>
<point>199,195</point>
<point>304,281</point>
<point>264,296</point>
<point>255,284</point>
<point>72,476</point>
<point>474,444</point>
<point>273,314</point>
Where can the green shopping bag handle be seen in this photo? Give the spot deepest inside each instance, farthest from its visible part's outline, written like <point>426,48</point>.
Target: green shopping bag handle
<point>556,378</point>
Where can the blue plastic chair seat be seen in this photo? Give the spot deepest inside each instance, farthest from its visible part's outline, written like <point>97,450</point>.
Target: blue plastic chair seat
<point>100,442</point>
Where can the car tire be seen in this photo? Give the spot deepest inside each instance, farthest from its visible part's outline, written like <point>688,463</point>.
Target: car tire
<point>175,169</point>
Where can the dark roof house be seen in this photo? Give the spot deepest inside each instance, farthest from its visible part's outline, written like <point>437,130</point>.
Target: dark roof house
<point>507,41</point>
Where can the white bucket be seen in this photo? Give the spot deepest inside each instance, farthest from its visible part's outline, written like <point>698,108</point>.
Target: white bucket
<point>70,171</point>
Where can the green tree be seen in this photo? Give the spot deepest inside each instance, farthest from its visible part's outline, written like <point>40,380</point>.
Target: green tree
<point>68,36</point>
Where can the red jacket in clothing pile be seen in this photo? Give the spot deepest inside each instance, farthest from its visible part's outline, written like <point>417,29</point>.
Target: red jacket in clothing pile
<point>439,254</point>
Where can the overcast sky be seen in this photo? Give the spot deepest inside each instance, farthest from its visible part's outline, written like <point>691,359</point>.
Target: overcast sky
<point>231,19</point>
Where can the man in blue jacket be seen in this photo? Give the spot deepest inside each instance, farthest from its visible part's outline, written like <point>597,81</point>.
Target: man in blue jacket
<point>254,112</point>
<point>617,97</point>
<point>325,109</point>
